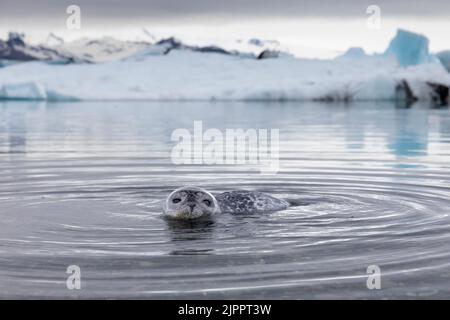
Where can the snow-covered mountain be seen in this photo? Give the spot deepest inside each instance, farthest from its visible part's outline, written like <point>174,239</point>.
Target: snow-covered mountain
<point>53,40</point>
<point>168,45</point>
<point>16,49</point>
<point>101,50</point>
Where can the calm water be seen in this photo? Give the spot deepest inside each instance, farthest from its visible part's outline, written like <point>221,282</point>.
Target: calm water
<point>81,184</point>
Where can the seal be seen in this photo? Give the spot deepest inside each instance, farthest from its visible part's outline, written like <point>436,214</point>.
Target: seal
<point>194,202</point>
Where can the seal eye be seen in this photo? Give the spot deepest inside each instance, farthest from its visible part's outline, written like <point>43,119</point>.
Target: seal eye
<point>207,202</point>
<point>176,200</point>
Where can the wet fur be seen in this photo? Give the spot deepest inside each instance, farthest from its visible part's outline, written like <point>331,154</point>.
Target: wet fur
<point>192,206</point>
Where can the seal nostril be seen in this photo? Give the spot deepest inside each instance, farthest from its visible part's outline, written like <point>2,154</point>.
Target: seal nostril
<point>192,206</point>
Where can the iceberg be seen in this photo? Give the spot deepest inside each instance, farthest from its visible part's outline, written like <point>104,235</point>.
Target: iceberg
<point>444,58</point>
<point>353,53</point>
<point>409,48</point>
<point>23,91</point>
<point>171,70</point>
<point>193,75</point>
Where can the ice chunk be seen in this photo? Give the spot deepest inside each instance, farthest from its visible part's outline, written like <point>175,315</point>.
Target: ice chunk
<point>193,75</point>
<point>409,48</point>
<point>444,58</point>
<point>353,53</point>
<point>23,91</point>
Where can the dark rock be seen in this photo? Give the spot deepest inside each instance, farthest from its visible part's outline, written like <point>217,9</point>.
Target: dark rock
<point>267,54</point>
<point>256,42</point>
<point>15,39</point>
<point>440,93</point>
<point>170,42</point>
<point>404,97</point>
<point>212,49</point>
<point>16,49</point>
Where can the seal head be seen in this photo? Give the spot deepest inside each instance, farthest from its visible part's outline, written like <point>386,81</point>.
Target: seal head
<point>190,203</point>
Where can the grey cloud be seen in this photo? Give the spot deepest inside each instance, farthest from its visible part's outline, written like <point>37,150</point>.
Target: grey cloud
<point>230,9</point>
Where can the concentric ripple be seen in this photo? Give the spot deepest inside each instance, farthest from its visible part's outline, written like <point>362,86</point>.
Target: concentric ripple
<point>82,184</point>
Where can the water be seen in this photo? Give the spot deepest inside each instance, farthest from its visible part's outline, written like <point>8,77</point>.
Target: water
<point>81,184</point>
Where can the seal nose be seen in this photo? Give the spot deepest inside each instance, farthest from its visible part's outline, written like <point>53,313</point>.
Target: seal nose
<point>192,206</point>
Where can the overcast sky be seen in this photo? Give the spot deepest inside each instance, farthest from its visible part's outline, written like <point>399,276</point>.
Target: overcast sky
<point>327,25</point>
<point>169,9</point>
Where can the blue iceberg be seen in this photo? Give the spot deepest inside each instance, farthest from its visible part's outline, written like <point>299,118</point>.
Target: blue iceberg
<point>409,49</point>
<point>444,58</point>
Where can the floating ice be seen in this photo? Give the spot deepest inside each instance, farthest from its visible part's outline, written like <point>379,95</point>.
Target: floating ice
<point>207,73</point>
<point>185,75</point>
<point>353,53</point>
<point>28,91</point>
<point>444,58</point>
<point>409,48</point>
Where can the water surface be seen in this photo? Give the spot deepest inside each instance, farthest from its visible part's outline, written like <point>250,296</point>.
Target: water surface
<point>81,184</point>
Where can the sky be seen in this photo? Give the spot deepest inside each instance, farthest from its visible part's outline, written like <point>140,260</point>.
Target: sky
<point>310,28</point>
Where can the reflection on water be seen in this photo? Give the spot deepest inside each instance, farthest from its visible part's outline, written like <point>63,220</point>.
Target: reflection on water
<point>190,229</point>
<point>82,183</point>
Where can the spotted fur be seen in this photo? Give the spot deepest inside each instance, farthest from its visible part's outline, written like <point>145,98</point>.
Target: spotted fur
<point>190,203</point>
<point>249,202</point>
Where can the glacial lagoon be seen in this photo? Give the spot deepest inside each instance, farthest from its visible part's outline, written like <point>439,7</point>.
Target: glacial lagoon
<point>81,184</point>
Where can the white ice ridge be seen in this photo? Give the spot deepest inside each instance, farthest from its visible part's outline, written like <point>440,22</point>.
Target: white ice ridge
<point>185,75</point>
<point>406,67</point>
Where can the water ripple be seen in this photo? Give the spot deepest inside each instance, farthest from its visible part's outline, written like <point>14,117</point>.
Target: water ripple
<point>95,202</point>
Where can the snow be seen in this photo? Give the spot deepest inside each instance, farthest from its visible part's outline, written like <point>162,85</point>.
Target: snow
<point>409,48</point>
<point>101,50</point>
<point>185,75</point>
<point>53,40</point>
<point>16,49</point>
